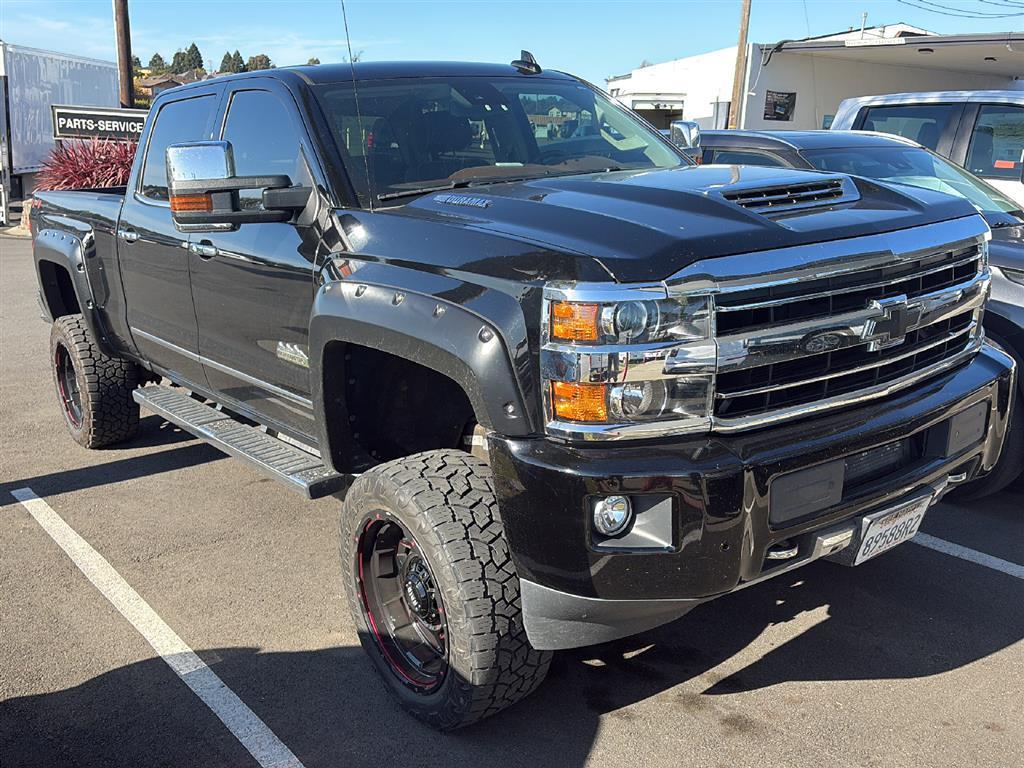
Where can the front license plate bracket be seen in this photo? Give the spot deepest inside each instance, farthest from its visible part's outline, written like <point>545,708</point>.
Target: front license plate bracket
<point>880,531</point>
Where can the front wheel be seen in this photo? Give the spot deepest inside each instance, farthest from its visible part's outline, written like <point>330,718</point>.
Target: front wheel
<point>433,590</point>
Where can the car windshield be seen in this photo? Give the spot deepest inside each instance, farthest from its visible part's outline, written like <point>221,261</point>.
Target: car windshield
<point>407,135</point>
<point>913,166</point>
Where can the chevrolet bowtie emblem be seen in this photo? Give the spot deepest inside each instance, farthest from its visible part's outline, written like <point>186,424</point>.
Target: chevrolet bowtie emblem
<point>890,328</point>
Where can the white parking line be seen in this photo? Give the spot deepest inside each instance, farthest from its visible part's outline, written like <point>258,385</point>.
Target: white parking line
<point>254,734</point>
<point>971,555</point>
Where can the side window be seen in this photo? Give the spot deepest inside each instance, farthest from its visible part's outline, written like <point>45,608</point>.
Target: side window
<point>176,121</point>
<point>264,140</point>
<point>923,123</point>
<point>745,157</point>
<point>997,143</point>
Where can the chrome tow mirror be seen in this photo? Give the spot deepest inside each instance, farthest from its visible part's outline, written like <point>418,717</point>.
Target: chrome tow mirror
<point>204,190</point>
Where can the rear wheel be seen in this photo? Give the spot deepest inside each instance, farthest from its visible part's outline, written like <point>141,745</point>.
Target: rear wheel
<point>433,590</point>
<point>94,389</point>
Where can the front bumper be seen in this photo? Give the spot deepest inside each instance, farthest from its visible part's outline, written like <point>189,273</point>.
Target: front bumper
<point>576,592</point>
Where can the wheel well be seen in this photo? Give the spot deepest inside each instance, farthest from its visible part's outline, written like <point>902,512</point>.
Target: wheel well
<point>58,290</point>
<point>381,407</point>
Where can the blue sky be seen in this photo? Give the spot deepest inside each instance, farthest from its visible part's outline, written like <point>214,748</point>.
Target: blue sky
<point>592,38</point>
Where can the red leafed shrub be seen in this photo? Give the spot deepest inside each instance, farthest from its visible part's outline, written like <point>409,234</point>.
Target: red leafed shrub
<point>86,164</point>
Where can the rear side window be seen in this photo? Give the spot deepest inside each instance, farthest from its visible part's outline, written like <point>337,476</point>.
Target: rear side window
<point>923,123</point>
<point>997,143</point>
<point>176,121</point>
<point>746,157</point>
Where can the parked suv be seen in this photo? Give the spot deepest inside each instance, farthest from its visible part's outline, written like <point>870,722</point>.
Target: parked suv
<point>565,384</point>
<point>982,131</point>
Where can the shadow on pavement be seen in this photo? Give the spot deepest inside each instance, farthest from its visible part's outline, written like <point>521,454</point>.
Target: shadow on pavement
<point>912,613</point>
<point>153,431</point>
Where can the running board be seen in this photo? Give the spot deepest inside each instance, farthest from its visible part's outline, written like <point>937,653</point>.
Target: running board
<point>296,468</point>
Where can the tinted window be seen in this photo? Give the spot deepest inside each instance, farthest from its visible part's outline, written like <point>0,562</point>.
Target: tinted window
<point>924,123</point>
<point>410,134</point>
<point>745,157</point>
<point>176,122</point>
<point>264,140</point>
<point>997,144</point>
<point>914,166</point>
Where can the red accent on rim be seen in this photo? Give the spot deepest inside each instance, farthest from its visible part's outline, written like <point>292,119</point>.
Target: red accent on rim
<point>381,645</point>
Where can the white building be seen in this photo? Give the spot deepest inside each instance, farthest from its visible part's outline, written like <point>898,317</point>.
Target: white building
<point>798,84</point>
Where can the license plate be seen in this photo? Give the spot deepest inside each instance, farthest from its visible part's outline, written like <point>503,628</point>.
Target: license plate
<point>890,527</point>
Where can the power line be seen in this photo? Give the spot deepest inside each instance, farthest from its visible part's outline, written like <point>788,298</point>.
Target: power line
<point>946,10</point>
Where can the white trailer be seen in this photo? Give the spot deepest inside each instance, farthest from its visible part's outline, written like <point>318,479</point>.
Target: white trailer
<point>31,80</point>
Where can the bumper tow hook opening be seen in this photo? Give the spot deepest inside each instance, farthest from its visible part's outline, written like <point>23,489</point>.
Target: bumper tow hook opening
<point>783,550</point>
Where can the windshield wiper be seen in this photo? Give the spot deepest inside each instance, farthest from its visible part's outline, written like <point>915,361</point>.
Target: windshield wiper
<point>479,182</point>
<point>461,184</point>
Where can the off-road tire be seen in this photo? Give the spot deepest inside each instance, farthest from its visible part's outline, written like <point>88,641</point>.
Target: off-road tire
<point>108,413</point>
<point>445,499</point>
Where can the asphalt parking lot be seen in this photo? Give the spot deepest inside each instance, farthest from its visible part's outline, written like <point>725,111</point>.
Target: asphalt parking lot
<point>913,659</point>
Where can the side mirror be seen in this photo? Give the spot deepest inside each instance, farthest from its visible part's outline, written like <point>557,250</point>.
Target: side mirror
<point>685,134</point>
<point>204,190</point>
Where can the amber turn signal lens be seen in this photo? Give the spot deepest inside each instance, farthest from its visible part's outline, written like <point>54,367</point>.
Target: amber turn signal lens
<point>579,402</point>
<point>574,322</point>
<point>201,203</point>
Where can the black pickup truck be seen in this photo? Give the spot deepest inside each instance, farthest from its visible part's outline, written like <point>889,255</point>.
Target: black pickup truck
<point>565,384</point>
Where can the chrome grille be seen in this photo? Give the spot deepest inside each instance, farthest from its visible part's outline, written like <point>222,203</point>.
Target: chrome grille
<point>807,299</point>
<point>789,196</point>
<point>758,390</point>
<point>822,341</point>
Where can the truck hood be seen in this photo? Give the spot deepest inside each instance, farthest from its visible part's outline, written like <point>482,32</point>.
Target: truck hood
<point>647,225</point>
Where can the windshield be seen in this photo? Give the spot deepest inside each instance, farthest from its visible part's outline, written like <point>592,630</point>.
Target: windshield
<point>914,166</point>
<point>412,134</point>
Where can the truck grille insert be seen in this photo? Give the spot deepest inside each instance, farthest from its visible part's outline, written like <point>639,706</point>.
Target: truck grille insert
<point>813,341</point>
<point>789,196</point>
<point>748,310</point>
<point>837,373</point>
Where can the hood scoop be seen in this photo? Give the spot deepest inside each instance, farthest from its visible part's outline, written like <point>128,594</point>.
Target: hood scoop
<point>771,201</point>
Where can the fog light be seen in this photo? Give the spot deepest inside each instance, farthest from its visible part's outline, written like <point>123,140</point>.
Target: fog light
<point>612,515</point>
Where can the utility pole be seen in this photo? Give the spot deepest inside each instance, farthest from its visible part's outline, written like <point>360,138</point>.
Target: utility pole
<point>123,34</point>
<point>741,66</point>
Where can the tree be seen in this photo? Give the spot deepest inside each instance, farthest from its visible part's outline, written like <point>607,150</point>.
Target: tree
<point>313,61</point>
<point>237,65</point>
<point>259,61</point>
<point>179,63</point>
<point>356,58</point>
<point>157,64</point>
<point>193,57</point>
<point>227,63</point>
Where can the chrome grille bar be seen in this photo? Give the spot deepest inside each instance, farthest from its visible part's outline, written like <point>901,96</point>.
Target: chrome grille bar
<point>827,334</point>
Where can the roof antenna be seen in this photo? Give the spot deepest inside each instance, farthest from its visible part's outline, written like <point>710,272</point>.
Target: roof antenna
<point>355,96</point>
<point>527,64</point>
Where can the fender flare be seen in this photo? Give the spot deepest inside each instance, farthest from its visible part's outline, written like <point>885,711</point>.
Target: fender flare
<point>69,252</point>
<point>424,329</point>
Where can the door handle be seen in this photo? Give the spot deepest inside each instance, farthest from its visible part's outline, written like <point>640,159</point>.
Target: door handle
<point>128,235</point>
<point>203,250</point>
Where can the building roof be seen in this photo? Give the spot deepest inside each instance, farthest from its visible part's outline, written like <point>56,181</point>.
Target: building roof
<point>800,140</point>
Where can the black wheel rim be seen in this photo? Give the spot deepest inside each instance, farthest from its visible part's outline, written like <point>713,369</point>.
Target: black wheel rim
<point>402,605</point>
<point>67,386</point>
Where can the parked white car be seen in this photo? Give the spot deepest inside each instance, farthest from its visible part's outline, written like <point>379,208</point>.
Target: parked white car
<point>983,131</point>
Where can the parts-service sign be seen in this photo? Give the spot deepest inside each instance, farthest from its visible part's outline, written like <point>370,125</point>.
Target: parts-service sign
<point>97,123</point>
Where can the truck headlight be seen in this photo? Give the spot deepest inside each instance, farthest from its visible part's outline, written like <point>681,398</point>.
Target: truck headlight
<point>629,322</point>
<point>626,361</point>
